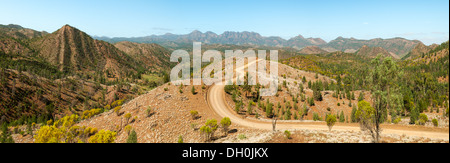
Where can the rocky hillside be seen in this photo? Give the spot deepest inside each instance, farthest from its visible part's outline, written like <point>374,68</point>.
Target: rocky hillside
<point>153,56</point>
<point>420,50</point>
<point>73,50</point>
<point>372,52</point>
<point>67,71</point>
<point>19,33</point>
<point>437,53</point>
<point>312,50</point>
<point>13,46</point>
<point>25,95</point>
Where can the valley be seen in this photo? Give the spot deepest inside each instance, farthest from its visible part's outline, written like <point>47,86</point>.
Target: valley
<point>68,87</point>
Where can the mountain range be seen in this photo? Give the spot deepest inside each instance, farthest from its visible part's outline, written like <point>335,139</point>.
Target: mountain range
<point>397,46</point>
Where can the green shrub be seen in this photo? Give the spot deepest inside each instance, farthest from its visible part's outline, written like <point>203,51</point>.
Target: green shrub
<point>397,120</point>
<point>242,137</point>
<point>353,116</point>
<point>287,134</point>
<point>194,114</point>
<point>435,122</point>
<point>342,117</point>
<point>193,90</point>
<point>226,123</point>
<point>414,115</point>
<point>331,121</point>
<point>132,138</point>
<point>316,117</point>
<point>423,118</point>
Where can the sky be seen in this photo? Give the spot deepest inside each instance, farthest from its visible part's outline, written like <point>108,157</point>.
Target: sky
<point>424,20</point>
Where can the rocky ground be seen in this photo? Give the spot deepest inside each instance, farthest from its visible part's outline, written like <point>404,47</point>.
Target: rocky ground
<point>318,136</point>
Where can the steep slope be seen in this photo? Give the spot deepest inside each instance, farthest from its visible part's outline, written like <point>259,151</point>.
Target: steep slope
<point>13,46</point>
<point>71,49</point>
<point>15,39</point>
<point>312,50</point>
<point>372,52</point>
<point>419,50</point>
<point>153,56</point>
<point>438,53</point>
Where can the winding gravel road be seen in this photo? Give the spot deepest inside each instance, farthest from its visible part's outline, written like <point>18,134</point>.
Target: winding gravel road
<point>216,101</point>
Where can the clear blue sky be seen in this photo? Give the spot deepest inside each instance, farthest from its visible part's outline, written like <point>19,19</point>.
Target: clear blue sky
<point>425,20</point>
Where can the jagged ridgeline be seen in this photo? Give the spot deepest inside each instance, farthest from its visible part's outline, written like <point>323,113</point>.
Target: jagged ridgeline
<point>46,75</point>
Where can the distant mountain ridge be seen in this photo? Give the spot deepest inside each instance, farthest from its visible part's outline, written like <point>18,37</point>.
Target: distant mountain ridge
<point>232,38</point>
<point>397,46</point>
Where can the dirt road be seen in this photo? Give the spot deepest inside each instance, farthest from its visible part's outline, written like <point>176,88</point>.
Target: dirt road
<point>216,100</point>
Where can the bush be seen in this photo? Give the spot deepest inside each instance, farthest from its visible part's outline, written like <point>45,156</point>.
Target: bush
<point>311,102</point>
<point>132,138</point>
<point>90,113</point>
<point>180,139</point>
<point>316,117</point>
<point>212,123</point>
<point>238,107</point>
<point>127,117</point>
<point>423,118</point>
<point>128,129</point>
<point>117,103</point>
<point>226,123</point>
<point>166,89</point>
<point>414,115</point>
<point>104,136</point>
<point>353,116</point>
<point>342,117</point>
<point>242,137</point>
<point>435,122</point>
<point>193,90</point>
<point>397,120</point>
<point>229,89</point>
<point>194,114</point>
<point>206,131</point>
<point>117,110</point>
<point>287,134</point>
<point>331,121</point>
